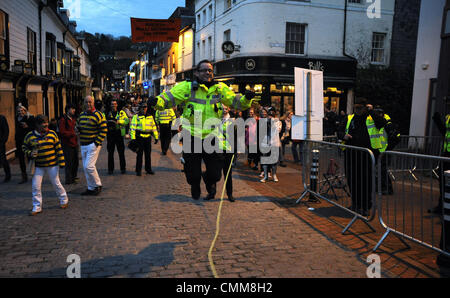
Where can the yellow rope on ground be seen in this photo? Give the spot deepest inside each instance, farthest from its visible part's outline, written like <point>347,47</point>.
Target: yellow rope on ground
<point>211,263</point>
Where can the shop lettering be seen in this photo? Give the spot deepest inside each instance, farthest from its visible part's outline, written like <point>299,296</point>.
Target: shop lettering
<point>316,66</point>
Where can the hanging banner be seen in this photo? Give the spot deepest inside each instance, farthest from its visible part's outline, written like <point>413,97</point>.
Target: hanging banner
<point>146,30</point>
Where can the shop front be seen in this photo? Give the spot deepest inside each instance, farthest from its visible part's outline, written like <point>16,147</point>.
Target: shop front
<point>272,78</point>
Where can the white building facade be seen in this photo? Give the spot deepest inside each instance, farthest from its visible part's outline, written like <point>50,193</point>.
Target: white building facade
<point>427,66</point>
<point>274,36</point>
<point>44,64</point>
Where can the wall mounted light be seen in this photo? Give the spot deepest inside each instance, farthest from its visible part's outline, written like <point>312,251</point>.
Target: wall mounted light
<point>18,66</point>
<point>4,63</point>
<point>28,69</point>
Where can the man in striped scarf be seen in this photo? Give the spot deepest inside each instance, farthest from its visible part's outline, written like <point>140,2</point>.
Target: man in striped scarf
<point>92,129</point>
<point>44,147</point>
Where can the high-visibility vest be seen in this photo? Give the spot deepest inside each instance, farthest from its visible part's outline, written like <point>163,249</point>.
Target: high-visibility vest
<point>145,125</point>
<point>201,104</point>
<point>447,134</point>
<point>374,134</point>
<point>384,136</point>
<point>122,122</point>
<point>165,117</point>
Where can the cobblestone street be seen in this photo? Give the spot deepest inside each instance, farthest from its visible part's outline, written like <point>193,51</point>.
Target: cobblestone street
<point>150,227</point>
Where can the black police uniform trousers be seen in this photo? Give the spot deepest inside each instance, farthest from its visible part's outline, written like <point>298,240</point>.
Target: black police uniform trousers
<point>144,148</point>
<point>165,136</point>
<point>358,170</point>
<point>193,168</point>
<point>21,155</point>
<point>72,162</point>
<point>227,162</point>
<point>115,139</point>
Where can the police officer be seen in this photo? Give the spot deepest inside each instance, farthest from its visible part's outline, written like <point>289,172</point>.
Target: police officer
<point>164,120</point>
<point>142,127</point>
<point>202,99</point>
<point>361,130</point>
<point>117,121</point>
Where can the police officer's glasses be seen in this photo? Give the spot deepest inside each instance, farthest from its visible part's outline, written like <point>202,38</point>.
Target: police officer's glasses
<point>206,70</point>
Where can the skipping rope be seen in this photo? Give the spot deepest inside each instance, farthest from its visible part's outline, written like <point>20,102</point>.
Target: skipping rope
<point>211,263</point>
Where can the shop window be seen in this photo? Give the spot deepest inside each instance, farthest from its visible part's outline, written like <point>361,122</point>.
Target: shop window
<point>31,48</point>
<point>4,39</point>
<point>234,88</point>
<point>378,48</point>
<point>277,88</point>
<point>295,38</point>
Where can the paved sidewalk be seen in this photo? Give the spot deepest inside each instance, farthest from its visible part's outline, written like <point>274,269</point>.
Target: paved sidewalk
<point>150,227</point>
<point>397,260</point>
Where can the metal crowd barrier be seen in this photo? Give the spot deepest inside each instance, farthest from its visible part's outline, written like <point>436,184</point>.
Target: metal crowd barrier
<point>404,204</point>
<point>428,145</point>
<point>343,176</point>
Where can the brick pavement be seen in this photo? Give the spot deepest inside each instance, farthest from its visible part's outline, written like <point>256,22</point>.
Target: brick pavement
<point>396,259</point>
<point>150,227</point>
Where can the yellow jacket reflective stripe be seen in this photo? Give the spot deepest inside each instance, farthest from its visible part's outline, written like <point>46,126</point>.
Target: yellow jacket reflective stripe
<point>145,125</point>
<point>201,104</point>
<point>165,117</point>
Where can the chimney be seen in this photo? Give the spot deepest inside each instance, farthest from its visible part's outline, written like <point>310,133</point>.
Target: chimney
<point>64,13</point>
<point>190,4</point>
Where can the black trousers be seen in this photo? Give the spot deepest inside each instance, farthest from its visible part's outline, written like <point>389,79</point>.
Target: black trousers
<point>21,155</point>
<point>358,170</point>
<point>114,141</point>
<point>4,161</point>
<point>165,137</point>
<point>145,148</point>
<point>226,165</point>
<point>72,162</point>
<point>193,168</point>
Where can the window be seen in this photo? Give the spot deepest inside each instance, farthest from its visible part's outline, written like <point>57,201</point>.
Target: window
<point>378,55</point>
<point>210,12</point>
<point>31,46</point>
<point>210,48</point>
<point>226,37</point>
<point>67,64</point>
<point>4,46</point>
<point>59,58</point>
<point>204,48</point>
<point>227,4</point>
<point>354,1</point>
<point>199,24</point>
<point>295,38</point>
<point>198,50</point>
<point>205,20</point>
<point>50,54</point>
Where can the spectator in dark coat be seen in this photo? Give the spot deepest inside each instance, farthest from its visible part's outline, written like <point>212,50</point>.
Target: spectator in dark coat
<point>24,124</point>
<point>4,134</point>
